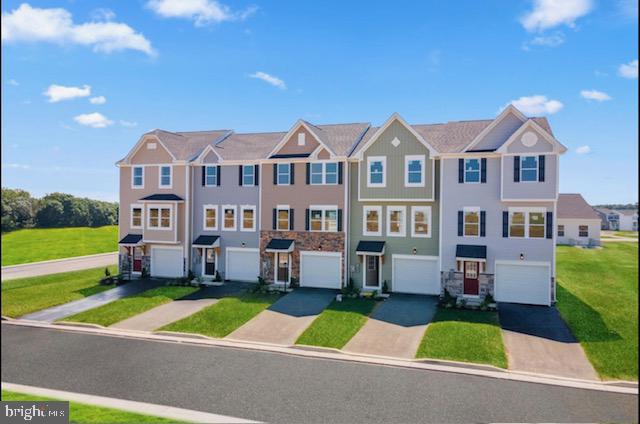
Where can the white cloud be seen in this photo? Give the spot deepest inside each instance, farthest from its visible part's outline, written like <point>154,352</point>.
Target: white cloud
<point>629,70</point>
<point>583,150</point>
<point>270,79</point>
<point>553,40</point>
<point>536,105</point>
<point>57,93</point>
<point>55,25</point>
<point>13,82</point>
<point>595,95</point>
<point>103,14</point>
<point>129,124</point>
<point>93,120</point>
<point>551,13</point>
<point>202,12</point>
<point>98,100</point>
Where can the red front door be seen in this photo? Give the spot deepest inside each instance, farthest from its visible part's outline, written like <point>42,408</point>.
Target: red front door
<point>471,283</point>
<point>137,259</point>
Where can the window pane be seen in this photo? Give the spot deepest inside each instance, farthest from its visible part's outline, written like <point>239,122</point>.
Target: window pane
<point>395,221</point>
<point>536,218</point>
<point>211,176</point>
<point>316,220</point>
<point>472,170</point>
<point>376,172</point>
<point>472,165</point>
<point>283,219</point>
<point>529,175</point>
<point>331,173</point>
<point>373,223</point>
<point>229,215</point>
<point>517,218</point>
<point>529,162</point>
<point>516,231</point>
<point>247,174</point>
<point>471,223</point>
<point>529,168</point>
<point>316,173</point>
<point>165,178</point>
<point>331,220</point>
<point>420,223</point>
<point>414,170</point>
<point>137,217</point>
<point>247,219</point>
<point>536,231</point>
<point>516,228</point>
<point>283,173</point>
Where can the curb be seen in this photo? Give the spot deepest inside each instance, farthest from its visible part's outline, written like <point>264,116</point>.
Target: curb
<point>329,354</point>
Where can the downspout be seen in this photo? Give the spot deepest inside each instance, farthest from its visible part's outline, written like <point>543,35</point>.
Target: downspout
<point>187,216</point>
<point>346,224</point>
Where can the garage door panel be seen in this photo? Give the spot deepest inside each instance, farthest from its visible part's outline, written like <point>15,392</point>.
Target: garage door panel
<point>322,271</point>
<point>243,265</point>
<point>416,275</point>
<point>166,262</point>
<point>523,283</point>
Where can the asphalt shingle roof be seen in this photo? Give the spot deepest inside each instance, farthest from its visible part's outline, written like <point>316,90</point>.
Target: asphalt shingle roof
<point>573,206</point>
<point>187,145</point>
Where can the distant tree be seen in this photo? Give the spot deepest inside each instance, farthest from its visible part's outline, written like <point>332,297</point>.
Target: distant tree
<point>50,214</point>
<point>618,206</point>
<point>18,210</point>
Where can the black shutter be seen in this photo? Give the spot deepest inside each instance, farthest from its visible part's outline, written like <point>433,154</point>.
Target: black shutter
<point>541,168</point>
<point>292,172</point>
<point>516,169</point>
<point>275,174</point>
<point>483,223</point>
<point>306,219</point>
<point>291,220</point>
<point>218,179</point>
<point>461,171</point>
<point>505,224</point>
<point>275,218</point>
<point>204,175</point>
<point>483,170</point>
<point>339,219</point>
<point>256,174</point>
<point>308,178</point>
<point>549,225</point>
<point>340,173</point>
<point>460,223</point>
<point>239,175</point>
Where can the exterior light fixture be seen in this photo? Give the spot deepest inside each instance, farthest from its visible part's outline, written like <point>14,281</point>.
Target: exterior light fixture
<point>522,256</point>
<point>244,244</point>
<point>415,250</point>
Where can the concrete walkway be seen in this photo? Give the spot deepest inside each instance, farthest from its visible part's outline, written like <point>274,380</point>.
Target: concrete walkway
<point>396,327</point>
<point>538,340</point>
<point>284,321</point>
<point>57,312</point>
<point>56,266</point>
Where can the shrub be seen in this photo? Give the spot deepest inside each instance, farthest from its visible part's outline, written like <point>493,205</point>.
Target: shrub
<point>385,287</point>
<point>107,273</point>
<point>350,290</point>
<point>294,284</point>
<point>217,277</point>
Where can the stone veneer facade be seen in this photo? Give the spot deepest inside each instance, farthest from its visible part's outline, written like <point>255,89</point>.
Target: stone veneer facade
<point>453,282</point>
<point>304,241</point>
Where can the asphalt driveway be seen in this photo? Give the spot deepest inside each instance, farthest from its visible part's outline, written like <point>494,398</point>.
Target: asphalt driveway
<point>284,321</point>
<point>396,327</point>
<point>538,340</point>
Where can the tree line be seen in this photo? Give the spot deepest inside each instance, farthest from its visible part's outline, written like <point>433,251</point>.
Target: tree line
<point>20,210</point>
<point>617,206</point>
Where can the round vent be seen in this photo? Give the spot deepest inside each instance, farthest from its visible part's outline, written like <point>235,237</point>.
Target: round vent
<point>529,139</point>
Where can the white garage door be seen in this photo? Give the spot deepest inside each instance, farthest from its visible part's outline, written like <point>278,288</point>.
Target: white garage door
<point>523,282</point>
<point>321,269</point>
<point>416,274</point>
<point>166,262</point>
<point>242,264</point>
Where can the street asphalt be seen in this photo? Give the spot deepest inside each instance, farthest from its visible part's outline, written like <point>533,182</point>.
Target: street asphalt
<point>275,387</point>
<point>34,269</point>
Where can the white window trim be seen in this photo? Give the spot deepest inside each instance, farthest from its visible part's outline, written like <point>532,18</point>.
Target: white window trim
<point>409,158</point>
<point>288,173</point>
<point>464,171</point>
<point>526,212</point>
<point>159,207</point>
<point>215,173</point>
<point>464,222</point>
<point>246,208</point>
<point>235,217</point>
<point>382,159</point>
<point>563,230</point>
<point>402,209</point>
<point>537,168</point>
<point>587,236</point>
<point>302,139</point>
<point>204,218</point>
<point>253,171</point>
<point>136,206</point>
<point>323,173</point>
<point>323,220</point>
<point>427,211</point>
<point>160,185</point>
<point>133,173</point>
<point>365,210</point>
<point>283,208</point>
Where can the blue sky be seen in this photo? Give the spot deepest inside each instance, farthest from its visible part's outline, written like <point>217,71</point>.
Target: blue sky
<point>260,65</point>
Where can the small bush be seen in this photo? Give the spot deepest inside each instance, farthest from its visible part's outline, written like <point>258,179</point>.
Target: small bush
<point>294,284</point>
<point>350,290</point>
<point>217,277</point>
<point>107,273</point>
<point>385,287</point>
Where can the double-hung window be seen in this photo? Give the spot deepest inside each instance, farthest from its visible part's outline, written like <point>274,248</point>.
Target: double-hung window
<point>471,222</point>
<point>414,171</point>
<point>137,177</point>
<point>323,218</point>
<point>376,170</point>
<point>248,175</point>
<point>529,168</point>
<point>472,170</point>
<point>420,221</point>
<point>527,223</point>
<point>284,174</point>
<point>560,230</point>
<point>372,220</point>
<point>159,218</point>
<point>211,176</point>
<point>210,217</point>
<point>396,221</point>
<point>228,218</point>
<point>331,173</point>
<point>165,176</point>
<point>316,173</point>
<point>248,213</point>
<point>583,231</point>
<point>323,173</point>
<point>282,218</point>
<point>136,216</point>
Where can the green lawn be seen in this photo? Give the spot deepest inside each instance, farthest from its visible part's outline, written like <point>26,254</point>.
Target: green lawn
<point>129,306</point>
<point>222,318</point>
<point>464,335</point>
<point>598,298</point>
<point>26,295</point>
<point>88,414</point>
<point>337,324</point>
<point>42,244</point>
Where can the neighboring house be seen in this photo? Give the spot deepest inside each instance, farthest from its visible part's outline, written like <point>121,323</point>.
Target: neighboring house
<point>628,219</point>
<point>609,219</point>
<point>578,223</point>
<point>618,219</point>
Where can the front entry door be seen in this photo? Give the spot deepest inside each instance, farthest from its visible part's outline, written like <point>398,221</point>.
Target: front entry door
<point>283,267</point>
<point>371,271</point>
<point>471,283</point>
<point>137,259</point>
<point>210,262</point>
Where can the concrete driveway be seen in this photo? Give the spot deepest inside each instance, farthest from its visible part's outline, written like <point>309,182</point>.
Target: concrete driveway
<point>284,321</point>
<point>55,266</point>
<point>538,340</point>
<point>396,327</point>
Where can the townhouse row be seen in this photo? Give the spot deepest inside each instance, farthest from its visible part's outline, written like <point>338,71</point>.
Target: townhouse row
<point>466,206</point>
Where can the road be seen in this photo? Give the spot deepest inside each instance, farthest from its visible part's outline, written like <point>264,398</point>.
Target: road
<point>60,265</point>
<point>275,387</point>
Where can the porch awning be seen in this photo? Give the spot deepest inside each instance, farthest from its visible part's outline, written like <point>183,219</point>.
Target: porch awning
<point>207,241</point>
<point>131,240</point>
<point>371,248</point>
<point>162,198</point>
<point>469,251</point>
<point>280,245</point>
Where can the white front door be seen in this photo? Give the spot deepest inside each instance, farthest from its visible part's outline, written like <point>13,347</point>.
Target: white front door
<point>523,282</point>
<point>166,262</point>
<point>321,269</point>
<point>243,264</point>
<point>416,274</point>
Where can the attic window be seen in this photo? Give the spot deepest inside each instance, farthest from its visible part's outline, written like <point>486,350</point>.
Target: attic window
<point>151,146</point>
<point>301,139</point>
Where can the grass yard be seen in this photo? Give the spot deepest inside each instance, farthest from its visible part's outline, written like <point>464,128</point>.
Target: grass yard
<point>223,317</point>
<point>337,324</point>
<point>26,295</point>
<point>89,414</point>
<point>598,298</point>
<point>129,306</point>
<point>464,335</point>
<point>42,244</point>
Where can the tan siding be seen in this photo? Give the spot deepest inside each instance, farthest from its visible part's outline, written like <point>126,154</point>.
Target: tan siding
<point>291,146</point>
<point>146,156</point>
